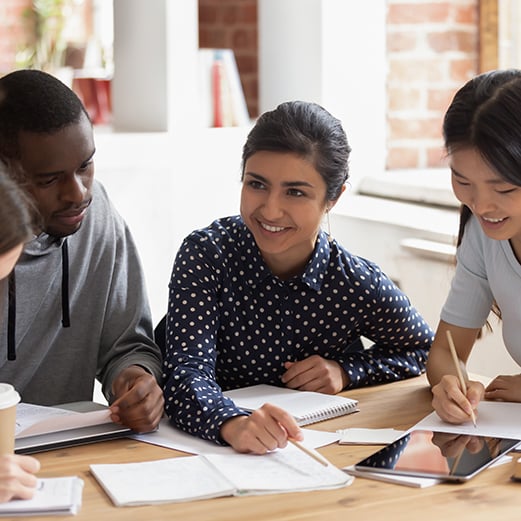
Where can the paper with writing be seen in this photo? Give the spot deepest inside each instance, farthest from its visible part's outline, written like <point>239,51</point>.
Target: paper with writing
<point>215,475</point>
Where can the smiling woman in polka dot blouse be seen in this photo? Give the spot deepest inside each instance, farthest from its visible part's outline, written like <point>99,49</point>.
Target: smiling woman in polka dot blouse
<point>268,297</point>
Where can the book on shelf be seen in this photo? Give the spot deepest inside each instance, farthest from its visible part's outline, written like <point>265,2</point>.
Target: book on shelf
<point>222,100</point>
<point>190,478</point>
<point>40,428</point>
<point>305,406</point>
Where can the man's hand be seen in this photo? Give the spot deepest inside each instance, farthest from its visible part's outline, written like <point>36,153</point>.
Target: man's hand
<point>138,400</point>
<point>315,374</point>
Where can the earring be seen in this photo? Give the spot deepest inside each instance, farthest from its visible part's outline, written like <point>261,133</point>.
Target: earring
<point>329,236</point>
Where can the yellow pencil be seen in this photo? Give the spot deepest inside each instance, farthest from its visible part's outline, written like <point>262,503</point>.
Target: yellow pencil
<point>314,455</point>
<point>458,370</point>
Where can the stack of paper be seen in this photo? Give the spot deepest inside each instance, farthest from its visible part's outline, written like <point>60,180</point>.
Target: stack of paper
<point>361,436</point>
<point>53,496</point>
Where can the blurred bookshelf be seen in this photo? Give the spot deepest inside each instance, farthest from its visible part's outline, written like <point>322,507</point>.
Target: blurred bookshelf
<point>222,99</point>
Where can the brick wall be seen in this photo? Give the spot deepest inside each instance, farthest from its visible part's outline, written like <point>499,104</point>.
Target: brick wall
<point>232,24</point>
<point>432,50</point>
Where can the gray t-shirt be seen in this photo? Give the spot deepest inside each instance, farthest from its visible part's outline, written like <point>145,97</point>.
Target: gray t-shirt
<point>487,270</point>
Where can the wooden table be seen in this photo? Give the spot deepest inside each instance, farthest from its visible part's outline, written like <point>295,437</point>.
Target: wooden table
<point>489,496</point>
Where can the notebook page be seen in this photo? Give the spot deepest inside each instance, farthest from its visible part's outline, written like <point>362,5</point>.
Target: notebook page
<point>287,470</point>
<point>305,406</point>
<point>168,480</point>
<point>32,420</point>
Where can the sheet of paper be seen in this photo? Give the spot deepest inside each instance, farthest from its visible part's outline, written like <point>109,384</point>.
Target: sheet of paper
<point>360,436</point>
<point>53,496</point>
<point>172,438</point>
<point>498,419</point>
<point>32,419</point>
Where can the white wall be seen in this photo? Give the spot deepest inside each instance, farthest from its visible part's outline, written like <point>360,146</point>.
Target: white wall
<point>378,230</point>
<point>167,184</point>
<point>310,50</point>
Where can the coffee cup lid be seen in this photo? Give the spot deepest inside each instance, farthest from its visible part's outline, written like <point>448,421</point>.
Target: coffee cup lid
<point>8,396</point>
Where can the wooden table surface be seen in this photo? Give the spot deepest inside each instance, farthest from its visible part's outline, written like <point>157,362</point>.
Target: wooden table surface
<point>489,496</point>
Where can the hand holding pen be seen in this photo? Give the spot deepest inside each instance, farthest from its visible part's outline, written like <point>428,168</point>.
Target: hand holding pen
<point>462,379</point>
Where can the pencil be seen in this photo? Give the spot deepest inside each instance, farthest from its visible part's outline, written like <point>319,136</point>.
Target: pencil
<point>458,371</point>
<point>315,455</point>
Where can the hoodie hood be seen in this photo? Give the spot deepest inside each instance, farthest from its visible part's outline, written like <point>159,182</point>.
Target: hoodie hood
<point>43,244</point>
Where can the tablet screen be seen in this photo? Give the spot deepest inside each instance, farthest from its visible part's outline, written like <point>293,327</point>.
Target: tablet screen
<point>442,455</point>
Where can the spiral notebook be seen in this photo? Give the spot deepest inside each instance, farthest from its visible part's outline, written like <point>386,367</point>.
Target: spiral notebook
<point>305,406</point>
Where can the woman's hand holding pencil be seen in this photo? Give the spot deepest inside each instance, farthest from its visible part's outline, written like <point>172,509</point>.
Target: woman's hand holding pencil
<point>455,398</point>
<point>462,380</point>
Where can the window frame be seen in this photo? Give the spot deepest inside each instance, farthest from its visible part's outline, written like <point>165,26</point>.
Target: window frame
<point>488,35</point>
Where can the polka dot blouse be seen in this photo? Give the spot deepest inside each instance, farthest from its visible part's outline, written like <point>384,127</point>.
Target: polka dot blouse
<point>232,323</point>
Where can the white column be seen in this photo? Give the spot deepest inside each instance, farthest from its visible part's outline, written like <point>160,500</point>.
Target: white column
<point>332,52</point>
<point>155,55</point>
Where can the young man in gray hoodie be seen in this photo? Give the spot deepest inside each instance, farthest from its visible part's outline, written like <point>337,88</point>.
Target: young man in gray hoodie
<point>75,307</point>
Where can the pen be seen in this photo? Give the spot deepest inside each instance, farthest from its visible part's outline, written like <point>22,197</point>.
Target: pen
<point>314,455</point>
<point>458,370</point>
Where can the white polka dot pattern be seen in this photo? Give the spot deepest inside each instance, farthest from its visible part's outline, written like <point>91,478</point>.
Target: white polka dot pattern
<point>231,323</point>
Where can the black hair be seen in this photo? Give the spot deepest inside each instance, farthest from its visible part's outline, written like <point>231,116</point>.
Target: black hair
<point>34,101</point>
<point>311,132</point>
<point>484,115</point>
<point>16,219</point>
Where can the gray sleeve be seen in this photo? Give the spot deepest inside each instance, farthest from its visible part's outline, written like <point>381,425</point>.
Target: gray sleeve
<point>470,298</point>
<point>127,334</point>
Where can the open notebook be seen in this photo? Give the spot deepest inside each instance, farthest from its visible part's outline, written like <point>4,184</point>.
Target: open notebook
<point>190,478</point>
<point>305,406</point>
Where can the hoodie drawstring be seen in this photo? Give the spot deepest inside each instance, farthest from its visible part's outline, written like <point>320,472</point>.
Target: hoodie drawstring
<point>66,319</point>
<point>11,317</point>
<point>11,311</point>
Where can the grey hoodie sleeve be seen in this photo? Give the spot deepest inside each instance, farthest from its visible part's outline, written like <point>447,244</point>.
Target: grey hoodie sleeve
<point>127,331</point>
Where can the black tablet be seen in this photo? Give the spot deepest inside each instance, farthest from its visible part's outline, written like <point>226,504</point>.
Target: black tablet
<point>441,455</point>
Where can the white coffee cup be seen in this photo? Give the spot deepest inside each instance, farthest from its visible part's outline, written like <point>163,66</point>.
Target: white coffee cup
<point>9,398</point>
